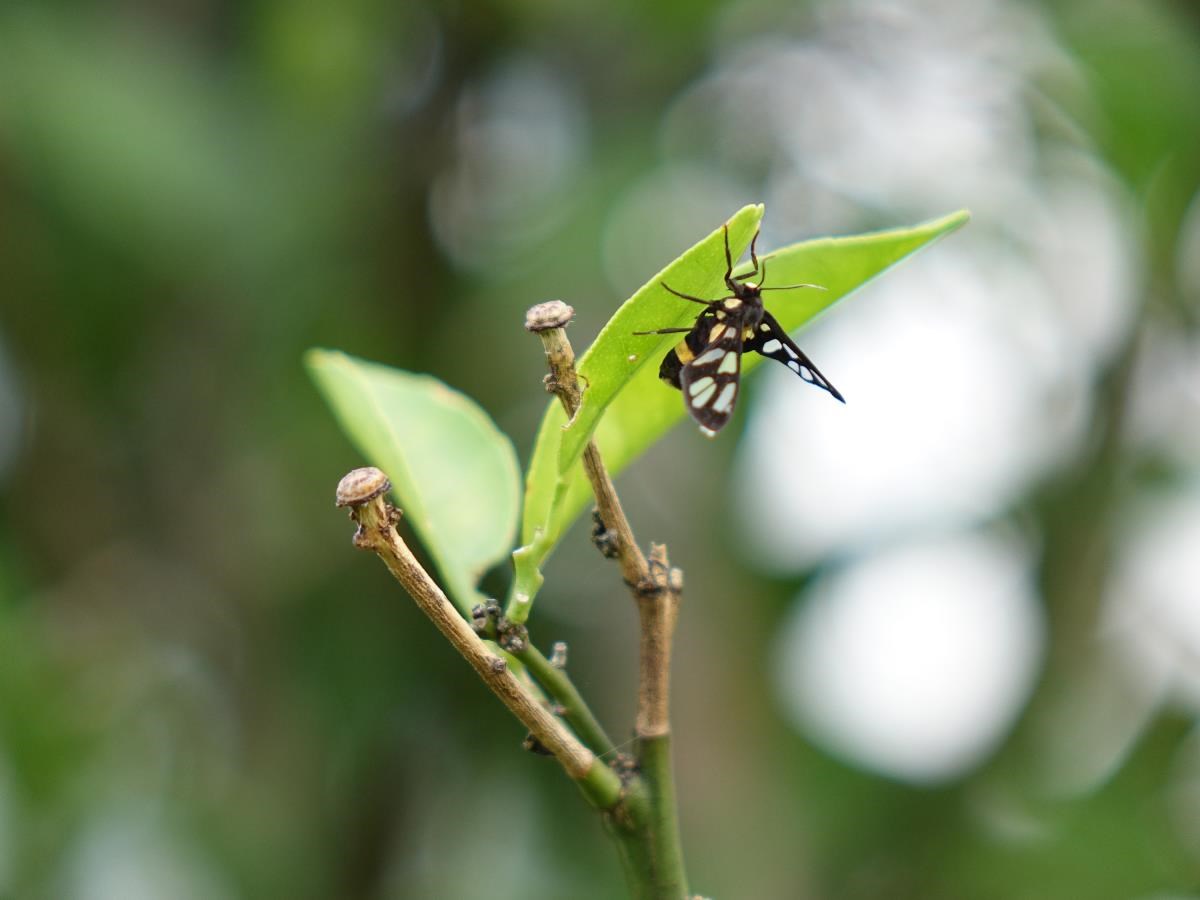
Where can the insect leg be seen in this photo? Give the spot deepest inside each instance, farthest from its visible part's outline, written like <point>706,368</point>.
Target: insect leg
<point>753,258</point>
<point>665,331</point>
<point>728,260</point>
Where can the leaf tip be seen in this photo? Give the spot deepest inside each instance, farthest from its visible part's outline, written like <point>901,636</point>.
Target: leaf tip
<point>958,219</point>
<point>315,357</point>
<point>754,210</point>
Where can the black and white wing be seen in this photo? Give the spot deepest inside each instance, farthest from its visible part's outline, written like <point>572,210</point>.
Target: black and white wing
<point>710,382</point>
<point>772,341</point>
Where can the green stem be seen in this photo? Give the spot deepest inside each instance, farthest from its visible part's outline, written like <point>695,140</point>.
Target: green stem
<point>628,832</point>
<point>645,828</point>
<point>557,684</point>
<point>601,786</point>
<point>662,826</point>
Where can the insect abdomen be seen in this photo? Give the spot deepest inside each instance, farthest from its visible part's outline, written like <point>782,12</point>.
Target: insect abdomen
<point>683,353</point>
<point>669,369</point>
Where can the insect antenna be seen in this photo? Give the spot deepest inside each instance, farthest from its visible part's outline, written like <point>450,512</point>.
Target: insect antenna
<point>689,296</point>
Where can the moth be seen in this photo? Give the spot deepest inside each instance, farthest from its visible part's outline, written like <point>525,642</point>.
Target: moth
<point>706,365</point>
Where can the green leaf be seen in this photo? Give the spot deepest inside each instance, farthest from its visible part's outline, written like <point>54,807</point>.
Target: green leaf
<point>620,370</point>
<point>453,472</point>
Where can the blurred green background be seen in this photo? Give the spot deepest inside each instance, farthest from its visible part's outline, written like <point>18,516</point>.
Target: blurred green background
<point>943,646</point>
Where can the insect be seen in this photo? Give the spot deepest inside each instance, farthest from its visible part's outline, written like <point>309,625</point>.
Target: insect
<point>706,365</point>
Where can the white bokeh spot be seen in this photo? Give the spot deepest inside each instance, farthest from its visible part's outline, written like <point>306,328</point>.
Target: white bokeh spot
<point>915,662</point>
<point>1153,608</point>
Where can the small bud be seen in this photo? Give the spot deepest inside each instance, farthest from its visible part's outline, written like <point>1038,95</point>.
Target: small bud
<point>558,656</point>
<point>513,636</point>
<point>624,765</point>
<point>675,580</point>
<point>605,541</point>
<point>548,315</point>
<point>498,665</point>
<point>362,486</point>
<point>479,622</point>
<point>533,745</point>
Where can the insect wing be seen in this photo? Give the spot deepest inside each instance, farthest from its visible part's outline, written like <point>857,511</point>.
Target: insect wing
<point>772,341</point>
<point>710,382</point>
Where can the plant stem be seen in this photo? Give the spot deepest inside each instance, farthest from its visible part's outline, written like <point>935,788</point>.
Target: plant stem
<point>377,532</point>
<point>654,754</point>
<point>635,851</point>
<point>548,321</point>
<point>658,608</point>
<point>558,685</point>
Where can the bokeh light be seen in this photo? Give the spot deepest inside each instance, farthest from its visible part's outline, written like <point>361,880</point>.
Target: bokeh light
<point>1154,598</point>
<point>914,661</point>
<point>519,140</point>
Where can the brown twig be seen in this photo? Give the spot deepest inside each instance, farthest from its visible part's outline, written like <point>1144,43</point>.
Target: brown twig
<point>363,491</point>
<point>657,610</point>
<point>548,320</point>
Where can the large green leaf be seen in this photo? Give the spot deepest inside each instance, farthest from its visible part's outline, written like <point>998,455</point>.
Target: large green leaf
<point>453,472</point>
<point>620,369</point>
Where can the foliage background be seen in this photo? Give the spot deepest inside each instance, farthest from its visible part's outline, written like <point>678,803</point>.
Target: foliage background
<point>205,693</point>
